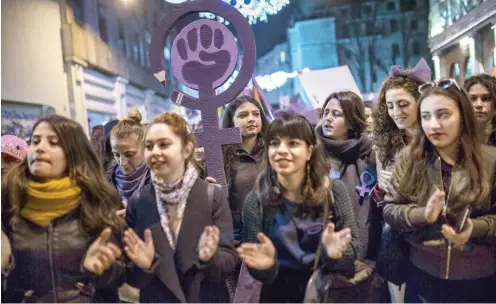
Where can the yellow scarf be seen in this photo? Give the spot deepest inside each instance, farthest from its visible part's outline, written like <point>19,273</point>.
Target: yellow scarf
<point>50,200</point>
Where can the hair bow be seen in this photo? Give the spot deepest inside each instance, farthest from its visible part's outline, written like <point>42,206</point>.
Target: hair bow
<point>421,73</point>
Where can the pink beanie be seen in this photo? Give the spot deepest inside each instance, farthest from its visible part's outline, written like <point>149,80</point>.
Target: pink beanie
<point>14,146</point>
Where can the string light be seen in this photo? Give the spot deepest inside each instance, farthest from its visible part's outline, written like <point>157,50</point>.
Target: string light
<point>253,10</point>
<point>277,79</point>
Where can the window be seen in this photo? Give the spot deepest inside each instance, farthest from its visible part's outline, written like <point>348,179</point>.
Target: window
<point>121,38</point>
<point>393,25</point>
<point>416,48</point>
<point>391,6</point>
<point>371,53</point>
<point>367,9</point>
<point>283,56</point>
<point>468,67</point>
<point>344,13</point>
<point>370,28</point>
<point>410,5</point>
<point>348,54</point>
<point>345,30</point>
<point>414,25</point>
<point>77,9</point>
<point>396,52</point>
<point>136,48</point>
<point>148,40</point>
<point>455,72</point>
<point>374,75</point>
<point>102,22</point>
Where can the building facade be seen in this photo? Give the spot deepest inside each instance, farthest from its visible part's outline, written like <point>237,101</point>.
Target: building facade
<point>367,36</point>
<point>84,59</point>
<point>462,37</point>
<point>274,72</point>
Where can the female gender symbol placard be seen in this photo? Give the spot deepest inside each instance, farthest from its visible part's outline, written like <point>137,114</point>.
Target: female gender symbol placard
<point>204,55</point>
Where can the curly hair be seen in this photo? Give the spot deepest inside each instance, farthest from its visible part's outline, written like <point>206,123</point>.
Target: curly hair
<point>389,138</point>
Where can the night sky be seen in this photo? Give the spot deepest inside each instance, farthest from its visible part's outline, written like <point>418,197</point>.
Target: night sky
<point>269,34</point>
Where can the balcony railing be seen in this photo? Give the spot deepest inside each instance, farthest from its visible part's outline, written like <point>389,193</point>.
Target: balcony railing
<point>84,47</point>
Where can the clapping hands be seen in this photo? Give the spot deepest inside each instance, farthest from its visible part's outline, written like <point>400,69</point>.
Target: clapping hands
<point>334,242</point>
<point>260,256</point>
<point>208,244</point>
<point>101,254</point>
<point>139,251</point>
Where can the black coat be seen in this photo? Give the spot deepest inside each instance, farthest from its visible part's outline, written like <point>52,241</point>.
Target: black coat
<point>180,276</point>
<point>50,258</point>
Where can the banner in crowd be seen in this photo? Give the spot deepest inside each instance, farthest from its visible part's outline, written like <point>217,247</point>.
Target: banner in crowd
<point>319,84</point>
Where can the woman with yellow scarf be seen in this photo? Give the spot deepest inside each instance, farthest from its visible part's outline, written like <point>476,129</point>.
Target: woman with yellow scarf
<point>59,214</point>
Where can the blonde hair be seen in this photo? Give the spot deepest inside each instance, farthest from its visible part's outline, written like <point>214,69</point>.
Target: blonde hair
<point>131,124</point>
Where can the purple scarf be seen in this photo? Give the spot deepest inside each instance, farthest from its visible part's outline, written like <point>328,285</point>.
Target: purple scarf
<point>128,184</point>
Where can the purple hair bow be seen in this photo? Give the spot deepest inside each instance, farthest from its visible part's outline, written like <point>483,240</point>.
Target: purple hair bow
<point>421,73</point>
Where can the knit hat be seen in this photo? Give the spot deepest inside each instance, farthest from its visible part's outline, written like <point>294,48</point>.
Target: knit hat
<point>14,146</point>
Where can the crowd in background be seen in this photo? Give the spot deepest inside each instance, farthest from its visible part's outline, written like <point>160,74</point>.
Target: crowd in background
<point>391,201</point>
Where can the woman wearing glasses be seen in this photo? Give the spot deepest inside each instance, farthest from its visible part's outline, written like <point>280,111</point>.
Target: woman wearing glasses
<point>442,176</point>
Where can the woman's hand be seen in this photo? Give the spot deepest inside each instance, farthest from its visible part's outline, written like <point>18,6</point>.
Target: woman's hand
<point>211,180</point>
<point>122,212</point>
<point>458,239</point>
<point>260,256</point>
<point>336,243</point>
<point>141,253</point>
<point>101,254</point>
<point>6,250</point>
<point>208,244</point>
<point>434,206</point>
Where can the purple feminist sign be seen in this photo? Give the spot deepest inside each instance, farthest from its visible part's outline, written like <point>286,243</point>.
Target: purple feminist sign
<point>204,55</point>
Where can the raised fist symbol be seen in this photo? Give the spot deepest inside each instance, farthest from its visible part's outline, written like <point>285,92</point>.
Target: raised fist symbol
<point>204,53</point>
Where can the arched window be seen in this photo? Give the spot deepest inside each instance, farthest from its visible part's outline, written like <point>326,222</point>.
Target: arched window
<point>455,72</point>
<point>468,67</point>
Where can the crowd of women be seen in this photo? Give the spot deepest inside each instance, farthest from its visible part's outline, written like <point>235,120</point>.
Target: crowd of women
<point>409,180</point>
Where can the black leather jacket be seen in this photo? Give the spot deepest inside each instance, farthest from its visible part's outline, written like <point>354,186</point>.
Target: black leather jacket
<point>48,264</point>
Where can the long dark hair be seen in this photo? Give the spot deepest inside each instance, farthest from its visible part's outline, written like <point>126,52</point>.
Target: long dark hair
<point>99,199</point>
<point>388,137</point>
<point>353,111</point>
<point>421,149</point>
<point>315,190</point>
<point>228,151</point>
